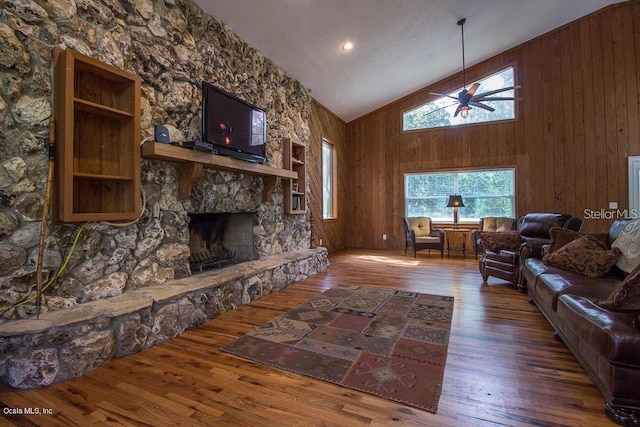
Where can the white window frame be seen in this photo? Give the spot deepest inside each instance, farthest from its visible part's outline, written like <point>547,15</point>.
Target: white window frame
<point>634,183</point>
<point>456,121</point>
<point>329,181</point>
<point>462,219</point>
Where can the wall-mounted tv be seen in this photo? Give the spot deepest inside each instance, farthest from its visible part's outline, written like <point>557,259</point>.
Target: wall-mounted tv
<point>233,127</point>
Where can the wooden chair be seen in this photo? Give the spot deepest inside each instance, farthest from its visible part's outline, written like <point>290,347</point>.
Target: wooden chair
<point>420,234</point>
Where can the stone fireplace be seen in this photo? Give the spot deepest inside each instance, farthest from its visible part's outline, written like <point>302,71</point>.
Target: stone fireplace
<point>220,239</point>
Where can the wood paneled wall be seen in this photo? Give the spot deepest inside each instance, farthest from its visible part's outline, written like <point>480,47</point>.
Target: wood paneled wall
<point>325,124</point>
<point>576,124</point>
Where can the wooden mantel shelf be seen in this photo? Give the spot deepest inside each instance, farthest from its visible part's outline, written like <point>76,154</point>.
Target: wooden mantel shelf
<point>191,162</point>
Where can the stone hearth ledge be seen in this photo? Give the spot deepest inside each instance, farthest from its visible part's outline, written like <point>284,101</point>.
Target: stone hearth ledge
<point>67,343</point>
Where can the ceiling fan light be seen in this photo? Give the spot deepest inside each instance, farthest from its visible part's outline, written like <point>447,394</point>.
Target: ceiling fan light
<point>464,111</point>
<point>347,46</point>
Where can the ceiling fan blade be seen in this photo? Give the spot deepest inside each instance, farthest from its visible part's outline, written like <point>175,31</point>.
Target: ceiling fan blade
<point>472,90</point>
<point>443,95</point>
<point>493,92</point>
<point>457,110</point>
<point>496,98</point>
<point>479,105</point>
<point>441,108</point>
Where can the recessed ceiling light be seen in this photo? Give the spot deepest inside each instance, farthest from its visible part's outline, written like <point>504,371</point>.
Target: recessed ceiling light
<point>347,46</point>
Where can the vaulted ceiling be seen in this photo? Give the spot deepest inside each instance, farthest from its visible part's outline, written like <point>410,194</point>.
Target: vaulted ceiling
<point>400,46</point>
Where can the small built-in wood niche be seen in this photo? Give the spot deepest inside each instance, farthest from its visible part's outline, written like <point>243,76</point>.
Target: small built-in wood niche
<point>295,195</point>
<point>97,121</point>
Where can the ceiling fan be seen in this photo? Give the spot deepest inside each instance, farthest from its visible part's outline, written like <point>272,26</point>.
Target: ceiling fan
<point>468,98</point>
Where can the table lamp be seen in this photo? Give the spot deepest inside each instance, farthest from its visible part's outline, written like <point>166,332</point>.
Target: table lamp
<point>455,202</point>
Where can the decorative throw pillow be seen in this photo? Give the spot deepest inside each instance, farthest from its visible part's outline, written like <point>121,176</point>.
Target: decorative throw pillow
<point>626,296</point>
<point>504,224</point>
<point>496,223</point>
<point>420,226</point>
<point>497,241</point>
<point>586,256</point>
<point>628,242</point>
<point>560,237</point>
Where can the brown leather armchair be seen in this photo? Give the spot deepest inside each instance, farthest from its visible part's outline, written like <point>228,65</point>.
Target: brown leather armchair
<point>533,232</point>
<point>420,234</point>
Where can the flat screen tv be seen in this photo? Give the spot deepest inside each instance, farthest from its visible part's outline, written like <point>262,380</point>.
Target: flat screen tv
<point>233,127</point>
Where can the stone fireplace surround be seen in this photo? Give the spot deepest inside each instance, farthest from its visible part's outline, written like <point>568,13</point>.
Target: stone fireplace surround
<point>71,341</point>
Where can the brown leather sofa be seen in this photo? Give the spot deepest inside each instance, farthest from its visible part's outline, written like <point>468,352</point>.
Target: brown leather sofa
<point>606,342</point>
<point>533,234</point>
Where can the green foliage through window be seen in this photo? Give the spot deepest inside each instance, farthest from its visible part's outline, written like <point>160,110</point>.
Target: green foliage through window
<point>484,193</point>
<point>439,112</point>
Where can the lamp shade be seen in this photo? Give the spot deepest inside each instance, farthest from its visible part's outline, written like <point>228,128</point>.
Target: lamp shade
<point>455,202</point>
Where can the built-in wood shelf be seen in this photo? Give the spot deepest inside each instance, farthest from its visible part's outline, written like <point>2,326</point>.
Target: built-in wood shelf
<point>294,157</point>
<point>97,112</point>
<point>191,163</point>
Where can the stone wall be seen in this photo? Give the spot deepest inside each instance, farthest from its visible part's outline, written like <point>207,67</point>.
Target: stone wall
<point>173,46</point>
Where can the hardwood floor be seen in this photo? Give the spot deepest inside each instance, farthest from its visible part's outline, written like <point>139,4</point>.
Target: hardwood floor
<point>503,367</point>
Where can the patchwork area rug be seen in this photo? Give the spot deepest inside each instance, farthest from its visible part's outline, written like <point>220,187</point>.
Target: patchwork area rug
<point>391,344</point>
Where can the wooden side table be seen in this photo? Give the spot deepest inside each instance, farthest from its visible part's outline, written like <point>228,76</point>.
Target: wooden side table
<point>456,240</point>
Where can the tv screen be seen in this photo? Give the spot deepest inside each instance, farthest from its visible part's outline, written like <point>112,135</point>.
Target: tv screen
<point>235,128</point>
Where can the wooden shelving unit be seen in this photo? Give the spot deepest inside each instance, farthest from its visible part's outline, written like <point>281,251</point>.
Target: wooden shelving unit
<point>191,163</point>
<point>97,112</point>
<point>294,157</point>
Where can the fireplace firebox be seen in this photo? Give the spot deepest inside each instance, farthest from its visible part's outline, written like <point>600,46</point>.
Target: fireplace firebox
<point>220,239</point>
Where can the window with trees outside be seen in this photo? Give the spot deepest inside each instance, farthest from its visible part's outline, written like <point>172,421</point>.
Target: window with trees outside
<point>329,204</point>
<point>484,193</point>
<point>439,112</point>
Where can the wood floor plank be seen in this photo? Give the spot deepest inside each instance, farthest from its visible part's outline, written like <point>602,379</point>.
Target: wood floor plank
<point>503,366</point>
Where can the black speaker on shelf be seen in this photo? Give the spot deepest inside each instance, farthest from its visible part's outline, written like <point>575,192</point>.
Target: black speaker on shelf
<point>161,134</point>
